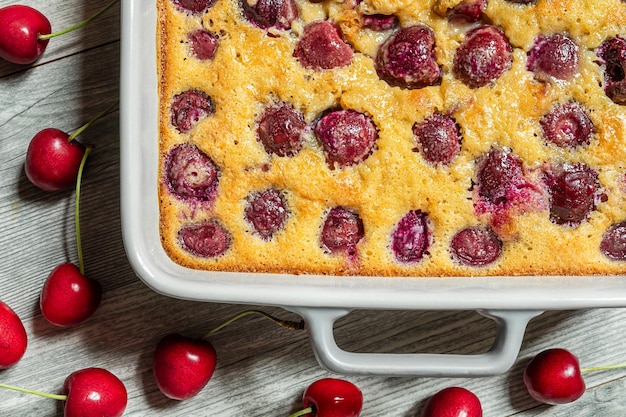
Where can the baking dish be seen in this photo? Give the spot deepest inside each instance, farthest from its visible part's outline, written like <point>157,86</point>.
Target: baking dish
<point>321,300</point>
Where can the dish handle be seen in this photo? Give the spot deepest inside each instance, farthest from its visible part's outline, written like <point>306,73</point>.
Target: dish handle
<point>510,329</point>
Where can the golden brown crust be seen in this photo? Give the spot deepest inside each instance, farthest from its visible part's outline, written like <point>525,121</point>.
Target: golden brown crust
<point>252,69</point>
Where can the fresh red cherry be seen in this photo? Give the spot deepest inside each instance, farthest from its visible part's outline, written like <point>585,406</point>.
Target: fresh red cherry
<point>330,397</point>
<point>25,32</point>
<point>183,366</point>
<point>554,377</point>
<point>94,392</point>
<point>53,159</point>
<point>90,392</point>
<point>453,402</point>
<point>20,27</point>
<point>13,339</point>
<point>69,297</point>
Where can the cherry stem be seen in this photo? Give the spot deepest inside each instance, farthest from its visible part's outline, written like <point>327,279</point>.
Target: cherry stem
<point>79,25</point>
<point>81,129</point>
<point>287,324</point>
<point>41,394</point>
<point>79,246</point>
<point>602,368</point>
<point>303,412</point>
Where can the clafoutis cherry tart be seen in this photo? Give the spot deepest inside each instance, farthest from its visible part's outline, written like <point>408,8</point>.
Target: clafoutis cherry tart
<point>448,138</point>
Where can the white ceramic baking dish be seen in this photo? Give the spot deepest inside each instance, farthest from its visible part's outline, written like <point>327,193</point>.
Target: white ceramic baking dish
<point>320,300</point>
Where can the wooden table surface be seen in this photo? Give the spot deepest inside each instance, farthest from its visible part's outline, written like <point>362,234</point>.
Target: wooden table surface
<point>262,369</point>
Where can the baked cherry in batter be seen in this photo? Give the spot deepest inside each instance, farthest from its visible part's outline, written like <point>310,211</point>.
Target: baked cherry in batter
<point>483,56</point>
<point>438,138</point>
<point>341,232</point>
<point>467,11</point>
<point>612,54</point>
<point>411,238</point>
<point>567,125</point>
<point>347,136</point>
<point>553,56</point>
<point>203,44</point>
<point>322,47</point>
<point>208,239</point>
<point>573,190</point>
<point>500,173</point>
<point>613,244</point>
<point>194,6</point>
<point>267,212</point>
<point>408,59</point>
<point>475,246</point>
<point>380,22</point>
<point>270,13</point>
<point>190,173</point>
<point>281,130</point>
<point>188,108</point>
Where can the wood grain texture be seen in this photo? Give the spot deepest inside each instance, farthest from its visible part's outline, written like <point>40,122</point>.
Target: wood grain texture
<point>262,369</point>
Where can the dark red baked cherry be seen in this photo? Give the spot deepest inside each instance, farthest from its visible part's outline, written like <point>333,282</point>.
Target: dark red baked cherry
<point>438,138</point>
<point>183,366</point>
<point>567,125</point>
<point>468,11</point>
<point>483,56</point>
<point>553,377</point>
<point>573,190</point>
<point>380,22</point>
<point>612,54</point>
<point>322,47</point>
<point>408,59</point>
<point>342,230</point>
<point>203,44</point>
<point>194,6</point>
<point>499,173</point>
<point>188,108</point>
<point>331,397</point>
<point>475,246</point>
<point>266,212</point>
<point>270,13</point>
<point>453,402</point>
<point>208,239</point>
<point>281,129</point>
<point>20,27</point>
<point>411,238</point>
<point>13,337</point>
<point>553,56</point>
<point>190,173</point>
<point>348,137</point>
<point>613,244</point>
